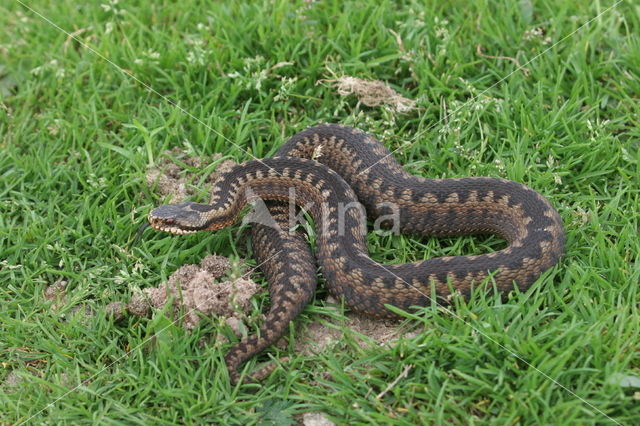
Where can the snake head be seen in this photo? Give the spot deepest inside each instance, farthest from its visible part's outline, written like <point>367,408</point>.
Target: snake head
<point>183,218</point>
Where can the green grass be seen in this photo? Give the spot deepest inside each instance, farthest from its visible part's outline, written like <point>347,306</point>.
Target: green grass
<point>77,135</point>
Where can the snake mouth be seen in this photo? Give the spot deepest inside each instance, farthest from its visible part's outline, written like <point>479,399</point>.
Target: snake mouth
<point>173,229</point>
<point>168,225</point>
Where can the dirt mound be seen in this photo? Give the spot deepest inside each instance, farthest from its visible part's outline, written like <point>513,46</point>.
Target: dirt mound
<point>195,291</point>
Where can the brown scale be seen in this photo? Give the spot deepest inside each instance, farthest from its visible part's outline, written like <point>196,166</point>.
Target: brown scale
<point>356,167</point>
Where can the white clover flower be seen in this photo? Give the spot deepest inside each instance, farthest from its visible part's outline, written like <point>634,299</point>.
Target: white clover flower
<point>149,55</point>
<point>37,70</point>
<point>198,55</point>
<point>110,6</point>
<point>442,32</point>
<point>194,41</point>
<point>51,66</point>
<point>259,77</point>
<point>286,86</point>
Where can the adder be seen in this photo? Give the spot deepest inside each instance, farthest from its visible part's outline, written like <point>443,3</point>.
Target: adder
<point>337,172</point>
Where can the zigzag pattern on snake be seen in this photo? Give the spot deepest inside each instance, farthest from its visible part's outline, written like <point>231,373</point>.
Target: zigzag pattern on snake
<point>352,167</point>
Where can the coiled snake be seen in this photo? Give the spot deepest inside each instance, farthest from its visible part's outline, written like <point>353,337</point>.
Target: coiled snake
<point>354,167</point>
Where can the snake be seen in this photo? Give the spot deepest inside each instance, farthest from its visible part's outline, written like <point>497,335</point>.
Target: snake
<point>342,177</point>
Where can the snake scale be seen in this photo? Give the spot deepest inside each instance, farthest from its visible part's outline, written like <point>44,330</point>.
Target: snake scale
<point>336,172</point>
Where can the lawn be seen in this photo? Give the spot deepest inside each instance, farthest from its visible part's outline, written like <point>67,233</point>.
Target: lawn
<point>91,95</point>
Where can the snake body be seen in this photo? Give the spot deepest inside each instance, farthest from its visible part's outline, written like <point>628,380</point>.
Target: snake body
<point>337,172</point>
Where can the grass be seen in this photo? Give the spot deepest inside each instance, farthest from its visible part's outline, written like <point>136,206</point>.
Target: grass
<point>77,135</point>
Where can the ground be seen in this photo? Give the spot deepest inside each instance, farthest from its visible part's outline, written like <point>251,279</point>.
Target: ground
<point>93,95</point>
